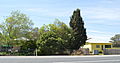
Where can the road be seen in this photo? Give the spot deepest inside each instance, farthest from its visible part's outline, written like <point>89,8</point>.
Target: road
<point>60,59</point>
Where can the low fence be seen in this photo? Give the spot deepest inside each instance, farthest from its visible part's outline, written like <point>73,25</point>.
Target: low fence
<point>85,51</point>
<point>81,51</point>
<point>111,51</point>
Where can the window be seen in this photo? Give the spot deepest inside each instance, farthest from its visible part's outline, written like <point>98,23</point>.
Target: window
<point>97,46</point>
<point>107,46</point>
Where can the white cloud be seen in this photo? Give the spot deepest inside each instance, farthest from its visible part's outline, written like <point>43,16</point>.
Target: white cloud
<point>102,13</point>
<point>51,12</point>
<point>113,23</point>
<point>99,36</point>
<point>106,16</point>
<point>99,32</point>
<point>35,9</point>
<point>98,39</point>
<point>107,1</point>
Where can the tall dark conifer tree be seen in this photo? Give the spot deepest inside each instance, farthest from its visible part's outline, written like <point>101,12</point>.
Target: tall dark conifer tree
<point>79,32</point>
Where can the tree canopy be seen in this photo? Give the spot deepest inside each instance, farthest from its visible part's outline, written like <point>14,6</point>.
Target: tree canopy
<point>79,32</point>
<point>55,38</point>
<point>16,25</point>
<point>116,40</point>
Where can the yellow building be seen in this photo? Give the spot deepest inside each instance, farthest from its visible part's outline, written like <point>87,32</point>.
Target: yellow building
<point>97,46</point>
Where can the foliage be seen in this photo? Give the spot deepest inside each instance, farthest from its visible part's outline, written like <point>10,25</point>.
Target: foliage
<point>49,43</point>
<point>1,39</point>
<point>15,26</point>
<point>56,38</point>
<point>28,47</point>
<point>116,40</point>
<point>58,34</point>
<point>79,32</point>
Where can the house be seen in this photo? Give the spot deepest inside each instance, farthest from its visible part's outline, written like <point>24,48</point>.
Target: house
<point>97,46</point>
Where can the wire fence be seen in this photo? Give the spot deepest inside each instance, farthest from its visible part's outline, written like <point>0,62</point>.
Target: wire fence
<point>10,52</point>
<point>111,52</point>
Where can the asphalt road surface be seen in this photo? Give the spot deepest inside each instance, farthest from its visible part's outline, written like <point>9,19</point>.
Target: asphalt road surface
<point>60,59</point>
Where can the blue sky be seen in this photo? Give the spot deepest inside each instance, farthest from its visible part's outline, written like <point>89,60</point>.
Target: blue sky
<point>101,17</point>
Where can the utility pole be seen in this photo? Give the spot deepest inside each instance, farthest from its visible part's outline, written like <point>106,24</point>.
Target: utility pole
<point>36,52</point>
